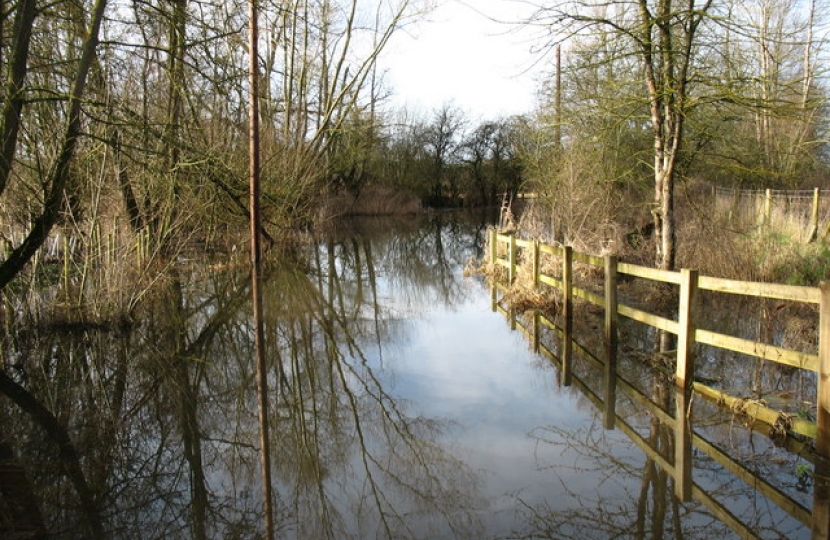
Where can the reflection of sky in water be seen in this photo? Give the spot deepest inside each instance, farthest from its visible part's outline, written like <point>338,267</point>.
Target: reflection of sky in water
<point>532,442</point>
<point>539,449</point>
<point>462,364</point>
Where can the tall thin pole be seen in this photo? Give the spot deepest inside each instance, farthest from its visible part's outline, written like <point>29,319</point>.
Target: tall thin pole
<point>558,128</point>
<point>256,263</point>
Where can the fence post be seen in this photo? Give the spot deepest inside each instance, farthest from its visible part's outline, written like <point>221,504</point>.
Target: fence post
<point>823,419</point>
<point>684,377</point>
<point>494,297</point>
<point>682,446</point>
<point>813,234</point>
<point>686,332</point>
<point>536,337</point>
<point>494,246</point>
<point>568,312</point>
<point>821,490</point>
<point>536,263</point>
<point>512,259</point>
<point>611,318</point>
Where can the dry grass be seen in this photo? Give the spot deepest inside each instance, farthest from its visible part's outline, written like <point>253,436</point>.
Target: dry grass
<point>736,245</point>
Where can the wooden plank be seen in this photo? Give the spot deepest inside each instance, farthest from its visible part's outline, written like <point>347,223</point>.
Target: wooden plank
<point>759,350</point>
<point>723,514</point>
<point>536,261</point>
<point>536,335</point>
<point>653,274</point>
<point>794,293</point>
<point>823,397</point>
<point>821,501</point>
<point>821,488</point>
<point>611,317</point>
<point>739,471</point>
<point>513,251</point>
<point>553,250</point>
<point>523,243</point>
<point>585,258</point>
<point>756,410</point>
<point>588,296</point>
<point>683,460</point>
<point>494,246</point>
<point>552,281</point>
<point>650,319</point>
<point>568,306</point>
<point>640,441</point>
<point>685,367</point>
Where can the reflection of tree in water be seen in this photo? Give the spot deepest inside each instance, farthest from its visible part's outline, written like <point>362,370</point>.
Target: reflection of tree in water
<point>635,501</point>
<point>161,416</point>
<point>419,264</point>
<point>635,497</point>
<point>339,423</point>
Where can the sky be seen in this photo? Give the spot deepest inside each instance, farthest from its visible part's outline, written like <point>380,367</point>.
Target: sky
<point>459,56</point>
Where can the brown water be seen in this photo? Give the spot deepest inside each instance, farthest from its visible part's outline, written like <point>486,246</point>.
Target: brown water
<point>401,406</point>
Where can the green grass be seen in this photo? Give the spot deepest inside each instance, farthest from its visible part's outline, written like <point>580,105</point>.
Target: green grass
<point>784,260</point>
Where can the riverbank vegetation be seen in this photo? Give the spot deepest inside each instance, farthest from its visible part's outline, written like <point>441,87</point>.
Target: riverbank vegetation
<point>653,106</point>
<point>125,147</point>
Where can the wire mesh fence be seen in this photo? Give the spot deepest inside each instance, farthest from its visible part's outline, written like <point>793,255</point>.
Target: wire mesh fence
<point>800,214</point>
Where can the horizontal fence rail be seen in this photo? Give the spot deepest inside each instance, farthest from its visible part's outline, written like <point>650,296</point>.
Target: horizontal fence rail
<point>685,326</point>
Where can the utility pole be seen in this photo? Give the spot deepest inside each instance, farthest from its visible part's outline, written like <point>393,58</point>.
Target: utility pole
<point>256,265</point>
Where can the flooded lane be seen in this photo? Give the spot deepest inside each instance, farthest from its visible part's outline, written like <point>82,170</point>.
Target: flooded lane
<point>402,406</point>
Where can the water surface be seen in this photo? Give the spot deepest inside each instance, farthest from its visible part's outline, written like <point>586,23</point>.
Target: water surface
<point>401,406</point>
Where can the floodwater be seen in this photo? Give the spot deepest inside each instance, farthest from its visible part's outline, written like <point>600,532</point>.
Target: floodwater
<point>401,406</point>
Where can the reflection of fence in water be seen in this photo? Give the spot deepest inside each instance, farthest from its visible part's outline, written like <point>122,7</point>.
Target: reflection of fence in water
<point>689,283</point>
<point>802,212</point>
<point>685,327</point>
<point>687,442</point>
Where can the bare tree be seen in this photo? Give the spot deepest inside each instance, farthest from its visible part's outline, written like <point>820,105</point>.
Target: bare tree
<point>662,37</point>
<point>60,171</point>
<point>442,139</point>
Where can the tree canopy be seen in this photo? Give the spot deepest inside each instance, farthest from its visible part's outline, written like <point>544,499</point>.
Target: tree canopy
<point>731,91</point>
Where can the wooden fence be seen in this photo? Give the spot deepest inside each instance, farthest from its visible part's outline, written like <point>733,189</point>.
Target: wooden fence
<point>685,326</point>
<point>686,441</point>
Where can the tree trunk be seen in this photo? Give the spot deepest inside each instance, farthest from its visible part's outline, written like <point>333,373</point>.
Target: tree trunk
<point>61,172</point>
<point>13,107</point>
<point>68,455</point>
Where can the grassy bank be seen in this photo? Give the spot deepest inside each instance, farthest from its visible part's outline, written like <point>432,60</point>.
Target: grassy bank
<point>716,245</point>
